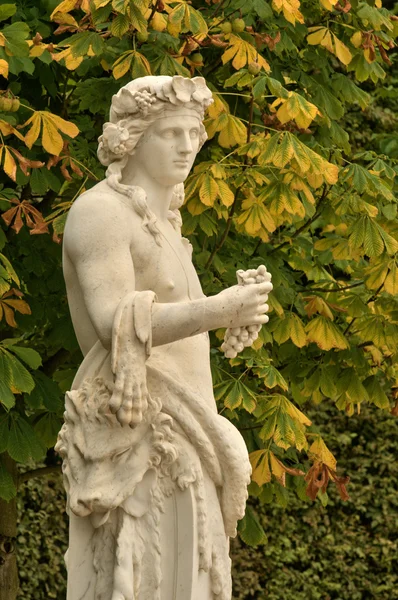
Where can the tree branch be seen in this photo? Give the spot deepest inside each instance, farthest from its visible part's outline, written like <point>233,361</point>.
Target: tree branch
<point>335,289</point>
<point>23,477</point>
<point>347,329</point>
<point>224,236</point>
<point>306,225</point>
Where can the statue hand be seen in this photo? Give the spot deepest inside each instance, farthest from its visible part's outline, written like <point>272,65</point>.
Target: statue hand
<point>242,305</point>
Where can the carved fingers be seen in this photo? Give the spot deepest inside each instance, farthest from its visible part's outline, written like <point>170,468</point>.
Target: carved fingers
<point>254,307</point>
<point>129,399</point>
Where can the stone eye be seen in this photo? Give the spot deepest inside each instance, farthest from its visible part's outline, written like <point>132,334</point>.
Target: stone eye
<point>169,133</point>
<point>118,455</point>
<point>194,133</point>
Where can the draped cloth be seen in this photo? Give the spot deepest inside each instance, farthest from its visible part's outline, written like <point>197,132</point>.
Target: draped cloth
<point>190,446</point>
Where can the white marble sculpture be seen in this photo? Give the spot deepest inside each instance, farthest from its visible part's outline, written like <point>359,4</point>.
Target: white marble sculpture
<point>156,479</point>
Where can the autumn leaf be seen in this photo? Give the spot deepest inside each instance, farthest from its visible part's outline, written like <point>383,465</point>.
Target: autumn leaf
<point>318,478</point>
<point>326,334</point>
<point>324,37</point>
<point>50,125</point>
<point>295,108</point>
<point>134,61</point>
<point>34,218</point>
<point>8,305</point>
<point>290,9</point>
<point>242,53</point>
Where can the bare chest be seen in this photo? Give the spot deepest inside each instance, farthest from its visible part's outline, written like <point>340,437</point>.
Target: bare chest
<point>165,267</point>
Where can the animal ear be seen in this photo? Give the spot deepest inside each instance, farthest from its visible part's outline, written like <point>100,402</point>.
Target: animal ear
<point>138,503</point>
<point>72,405</point>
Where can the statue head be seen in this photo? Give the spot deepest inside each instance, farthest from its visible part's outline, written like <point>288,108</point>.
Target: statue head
<point>151,104</point>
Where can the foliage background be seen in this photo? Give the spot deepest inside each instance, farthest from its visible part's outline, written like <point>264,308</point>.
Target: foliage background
<point>341,551</point>
<point>299,174</point>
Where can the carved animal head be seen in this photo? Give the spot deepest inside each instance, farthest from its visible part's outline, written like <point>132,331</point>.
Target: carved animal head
<point>103,462</point>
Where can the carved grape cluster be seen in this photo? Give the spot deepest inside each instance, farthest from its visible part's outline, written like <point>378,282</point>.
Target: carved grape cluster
<point>144,100</point>
<point>237,338</point>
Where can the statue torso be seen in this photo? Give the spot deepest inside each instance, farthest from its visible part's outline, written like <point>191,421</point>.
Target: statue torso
<point>165,268</point>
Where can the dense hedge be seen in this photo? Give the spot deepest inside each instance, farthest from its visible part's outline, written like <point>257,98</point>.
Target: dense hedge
<point>344,551</point>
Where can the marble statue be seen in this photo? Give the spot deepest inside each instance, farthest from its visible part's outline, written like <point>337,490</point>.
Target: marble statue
<point>156,480</point>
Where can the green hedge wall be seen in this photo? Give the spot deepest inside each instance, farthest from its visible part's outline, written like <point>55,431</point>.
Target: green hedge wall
<point>342,551</point>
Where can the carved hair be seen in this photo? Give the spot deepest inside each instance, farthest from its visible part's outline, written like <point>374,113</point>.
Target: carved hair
<point>134,108</point>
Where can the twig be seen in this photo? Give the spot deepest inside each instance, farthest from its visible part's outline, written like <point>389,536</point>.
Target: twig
<point>335,289</point>
<point>23,477</point>
<point>221,242</point>
<point>306,225</point>
<point>154,9</point>
<point>224,236</point>
<point>347,329</point>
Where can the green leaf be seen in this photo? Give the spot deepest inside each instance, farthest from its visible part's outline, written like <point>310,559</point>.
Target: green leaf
<point>46,393</point>
<point>28,355</point>
<point>120,26</point>
<point>47,426</point>
<point>23,442</point>
<point>21,379</point>
<point>271,377</point>
<point>7,398</point>
<point>328,102</point>
<point>251,530</point>
<point>7,11</point>
<point>376,392</point>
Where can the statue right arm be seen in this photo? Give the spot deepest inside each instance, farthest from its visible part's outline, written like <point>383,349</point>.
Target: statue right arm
<point>97,242</point>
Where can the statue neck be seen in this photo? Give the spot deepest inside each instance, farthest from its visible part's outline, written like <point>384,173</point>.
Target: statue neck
<point>158,195</point>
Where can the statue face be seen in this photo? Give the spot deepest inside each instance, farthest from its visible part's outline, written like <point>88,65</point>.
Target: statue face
<point>167,149</point>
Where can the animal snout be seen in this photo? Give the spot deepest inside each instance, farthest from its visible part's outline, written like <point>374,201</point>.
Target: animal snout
<point>85,505</point>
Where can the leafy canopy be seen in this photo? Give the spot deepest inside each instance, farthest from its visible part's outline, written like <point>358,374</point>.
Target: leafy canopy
<point>284,181</point>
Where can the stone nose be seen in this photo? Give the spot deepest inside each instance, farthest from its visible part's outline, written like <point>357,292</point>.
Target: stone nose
<point>88,504</point>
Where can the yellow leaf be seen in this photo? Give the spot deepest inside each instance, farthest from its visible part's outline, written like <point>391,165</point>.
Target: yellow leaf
<point>260,466</point>
<point>226,194</point>
<point>277,469</point>
<point>325,334</point>
<point>51,139</point>
<point>65,126</point>
<point>159,22</point>
<point>243,53</point>
<point>209,190</point>
<point>356,39</point>
<point>100,3</point>
<point>391,281</point>
<point>290,10</point>
<point>329,4</point>
<point>234,132</point>
<point>71,62</point>
<point>321,453</point>
<point>140,65</point>
<point>122,64</point>
<point>6,129</point>
<point>316,36</point>
<point>4,68</point>
<point>295,413</point>
<point>341,51</point>
<point>218,107</point>
<point>297,331</point>
<point>34,131</point>
<point>255,216</point>
<point>64,7</point>
<point>327,41</point>
<point>298,108</point>
<point>9,166</point>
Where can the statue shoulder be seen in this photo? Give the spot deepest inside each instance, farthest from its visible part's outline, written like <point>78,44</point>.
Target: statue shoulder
<point>99,200</point>
<point>98,214</point>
